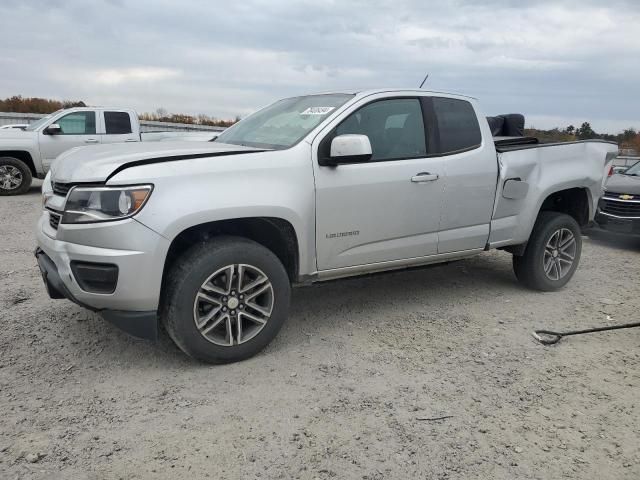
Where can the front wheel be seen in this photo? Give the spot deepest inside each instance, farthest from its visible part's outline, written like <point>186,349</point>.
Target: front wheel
<point>552,254</point>
<point>225,299</point>
<point>15,176</point>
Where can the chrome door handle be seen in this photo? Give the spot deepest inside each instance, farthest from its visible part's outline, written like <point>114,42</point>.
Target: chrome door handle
<point>91,140</point>
<point>424,177</point>
<point>131,140</point>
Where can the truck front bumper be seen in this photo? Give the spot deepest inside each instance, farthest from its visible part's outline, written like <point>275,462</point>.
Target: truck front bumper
<point>131,301</point>
<point>138,324</point>
<point>617,224</point>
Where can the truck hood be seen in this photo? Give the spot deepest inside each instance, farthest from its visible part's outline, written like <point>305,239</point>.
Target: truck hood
<point>628,184</point>
<point>97,163</point>
<point>15,134</point>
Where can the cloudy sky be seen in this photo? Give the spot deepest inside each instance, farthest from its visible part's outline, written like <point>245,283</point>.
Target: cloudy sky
<point>557,62</point>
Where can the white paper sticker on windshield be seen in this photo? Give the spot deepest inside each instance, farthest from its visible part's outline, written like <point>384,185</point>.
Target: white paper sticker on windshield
<point>317,110</point>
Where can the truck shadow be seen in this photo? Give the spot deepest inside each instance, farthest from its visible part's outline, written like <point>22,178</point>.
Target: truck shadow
<point>324,306</point>
<point>435,285</point>
<point>615,241</point>
<point>35,188</point>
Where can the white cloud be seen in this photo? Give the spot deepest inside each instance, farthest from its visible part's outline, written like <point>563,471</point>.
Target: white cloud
<point>505,62</point>
<point>90,77</point>
<point>115,76</point>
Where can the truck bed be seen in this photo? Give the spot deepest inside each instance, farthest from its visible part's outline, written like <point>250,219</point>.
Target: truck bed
<point>538,169</point>
<point>510,144</point>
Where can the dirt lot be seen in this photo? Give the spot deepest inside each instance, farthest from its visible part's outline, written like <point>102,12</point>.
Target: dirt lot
<point>350,389</point>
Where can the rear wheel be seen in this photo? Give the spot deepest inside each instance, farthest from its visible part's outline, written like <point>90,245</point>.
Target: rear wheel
<point>552,254</point>
<point>225,299</point>
<point>15,176</point>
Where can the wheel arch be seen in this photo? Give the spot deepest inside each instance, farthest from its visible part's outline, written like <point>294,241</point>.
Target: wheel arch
<point>276,234</point>
<point>23,156</point>
<point>575,202</point>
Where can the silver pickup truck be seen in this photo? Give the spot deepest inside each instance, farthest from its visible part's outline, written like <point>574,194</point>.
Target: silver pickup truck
<point>208,238</point>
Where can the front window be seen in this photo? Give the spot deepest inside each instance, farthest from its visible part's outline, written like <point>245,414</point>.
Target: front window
<point>78,123</point>
<point>284,123</point>
<point>395,128</point>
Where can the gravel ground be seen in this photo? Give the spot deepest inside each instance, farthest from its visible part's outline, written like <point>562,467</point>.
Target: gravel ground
<point>428,373</point>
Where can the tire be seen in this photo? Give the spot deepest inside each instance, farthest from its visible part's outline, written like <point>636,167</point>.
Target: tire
<point>540,253</point>
<point>12,169</point>
<point>210,264</point>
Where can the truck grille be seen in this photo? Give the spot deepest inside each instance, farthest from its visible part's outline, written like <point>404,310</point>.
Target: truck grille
<point>61,188</point>
<point>54,219</point>
<point>620,208</point>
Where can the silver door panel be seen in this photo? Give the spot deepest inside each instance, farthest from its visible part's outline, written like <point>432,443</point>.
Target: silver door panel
<point>463,238</point>
<point>404,246</point>
<point>469,196</point>
<point>373,212</point>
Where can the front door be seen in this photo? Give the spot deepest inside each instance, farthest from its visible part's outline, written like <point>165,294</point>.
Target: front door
<point>78,129</point>
<point>389,207</point>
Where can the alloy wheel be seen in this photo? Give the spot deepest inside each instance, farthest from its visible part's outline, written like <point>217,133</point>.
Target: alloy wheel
<point>233,305</point>
<point>10,177</point>
<point>559,254</point>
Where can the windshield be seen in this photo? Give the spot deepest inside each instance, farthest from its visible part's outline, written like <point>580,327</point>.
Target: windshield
<point>35,125</point>
<point>633,170</point>
<point>284,123</point>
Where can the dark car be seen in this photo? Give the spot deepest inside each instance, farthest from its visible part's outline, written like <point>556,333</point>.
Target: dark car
<point>619,208</point>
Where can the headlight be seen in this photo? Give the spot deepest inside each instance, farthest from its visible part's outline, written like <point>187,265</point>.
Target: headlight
<point>46,188</point>
<point>102,204</point>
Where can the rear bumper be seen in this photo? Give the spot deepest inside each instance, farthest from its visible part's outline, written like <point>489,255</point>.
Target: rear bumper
<point>616,224</point>
<point>142,324</point>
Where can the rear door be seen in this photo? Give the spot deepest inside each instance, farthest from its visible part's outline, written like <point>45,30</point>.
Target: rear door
<point>118,127</point>
<point>471,170</point>
<point>78,129</point>
<point>385,209</point>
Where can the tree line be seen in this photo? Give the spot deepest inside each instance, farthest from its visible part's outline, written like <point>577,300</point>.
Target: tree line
<point>18,104</point>
<point>629,138</point>
<point>161,115</point>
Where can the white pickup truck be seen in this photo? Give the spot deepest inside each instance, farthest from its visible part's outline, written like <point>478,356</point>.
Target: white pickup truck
<point>208,238</point>
<point>28,153</point>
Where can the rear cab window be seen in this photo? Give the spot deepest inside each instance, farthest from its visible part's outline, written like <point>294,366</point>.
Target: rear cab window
<point>117,123</point>
<point>457,125</point>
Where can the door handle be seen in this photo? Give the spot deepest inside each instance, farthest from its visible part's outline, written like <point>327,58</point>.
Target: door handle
<point>131,140</point>
<point>425,177</point>
<point>91,140</point>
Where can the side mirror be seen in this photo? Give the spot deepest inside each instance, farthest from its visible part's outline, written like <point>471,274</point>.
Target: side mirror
<point>349,148</point>
<point>53,129</point>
